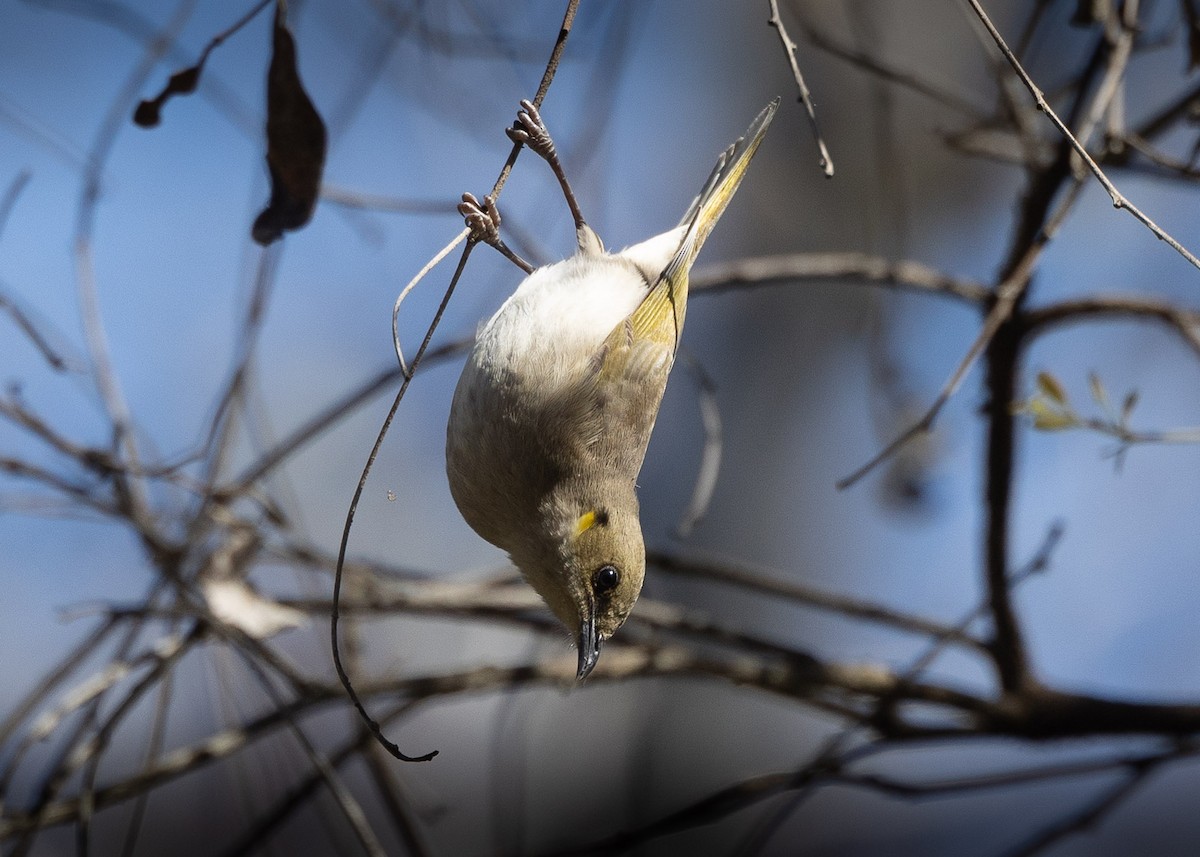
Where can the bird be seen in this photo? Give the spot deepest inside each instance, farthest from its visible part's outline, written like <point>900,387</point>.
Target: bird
<point>554,409</point>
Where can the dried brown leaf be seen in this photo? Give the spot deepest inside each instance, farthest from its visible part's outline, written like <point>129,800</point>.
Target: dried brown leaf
<point>296,142</point>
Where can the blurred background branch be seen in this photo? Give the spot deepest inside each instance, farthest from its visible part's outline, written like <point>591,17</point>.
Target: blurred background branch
<point>174,467</point>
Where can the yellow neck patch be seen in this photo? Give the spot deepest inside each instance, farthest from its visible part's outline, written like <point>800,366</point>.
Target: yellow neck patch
<point>586,521</point>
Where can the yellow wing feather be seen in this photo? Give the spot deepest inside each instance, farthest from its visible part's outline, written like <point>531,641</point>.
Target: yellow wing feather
<point>659,317</point>
<point>635,360</point>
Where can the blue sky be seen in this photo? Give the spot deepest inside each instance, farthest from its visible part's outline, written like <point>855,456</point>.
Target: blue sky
<point>639,132</point>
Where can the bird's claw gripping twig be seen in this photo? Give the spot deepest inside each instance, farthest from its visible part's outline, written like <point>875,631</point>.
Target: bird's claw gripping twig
<point>482,218</point>
<point>531,131</point>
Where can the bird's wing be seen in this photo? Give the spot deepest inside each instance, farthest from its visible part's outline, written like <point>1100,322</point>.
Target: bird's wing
<point>630,369</point>
<point>658,321</point>
<point>710,203</point>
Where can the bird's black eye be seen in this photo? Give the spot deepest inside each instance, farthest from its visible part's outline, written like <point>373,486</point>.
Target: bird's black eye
<point>605,579</point>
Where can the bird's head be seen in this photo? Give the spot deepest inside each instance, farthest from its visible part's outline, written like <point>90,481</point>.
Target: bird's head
<point>590,565</point>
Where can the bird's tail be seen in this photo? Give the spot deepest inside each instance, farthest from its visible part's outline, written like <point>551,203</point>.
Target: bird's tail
<point>659,317</point>
<point>718,190</point>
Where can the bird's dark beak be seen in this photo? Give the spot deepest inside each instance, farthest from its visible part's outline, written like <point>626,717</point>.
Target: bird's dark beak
<point>589,645</point>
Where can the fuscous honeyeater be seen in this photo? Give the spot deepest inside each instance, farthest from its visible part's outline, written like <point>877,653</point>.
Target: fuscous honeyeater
<point>554,408</point>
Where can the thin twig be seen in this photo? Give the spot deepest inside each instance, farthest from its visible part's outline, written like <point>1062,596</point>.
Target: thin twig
<point>83,495</point>
<point>154,747</point>
<point>85,741</point>
<point>1116,308</point>
<point>268,821</point>
<point>38,339</point>
<point>362,482</point>
<point>186,80</point>
<point>999,313</point>
<point>1118,199</point>
<point>789,47</point>
<point>41,135</point>
<point>347,198</point>
<point>903,274</point>
<point>429,266</point>
<point>752,580</point>
<point>830,761</point>
<point>891,74</point>
<point>103,372</point>
<point>1088,814</point>
<point>70,662</point>
<point>1008,294</point>
<point>87,789</point>
<point>543,87</point>
<point>342,796</point>
<point>9,200</point>
<point>710,454</point>
<point>216,447</point>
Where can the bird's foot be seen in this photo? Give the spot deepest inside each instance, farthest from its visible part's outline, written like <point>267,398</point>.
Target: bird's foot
<point>531,131</point>
<point>482,218</point>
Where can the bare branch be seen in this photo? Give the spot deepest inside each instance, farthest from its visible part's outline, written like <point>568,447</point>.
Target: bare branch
<point>805,98</point>
<point>1118,199</point>
<point>759,581</point>
<point>1116,308</point>
<point>27,326</point>
<point>763,270</point>
<point>891,74</point>
<point>9,199</point>
<point>547,79</point>
<point>710,455</point>
<point>378,202</point>
<point>1090,813</point>
<point>420,275</point>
